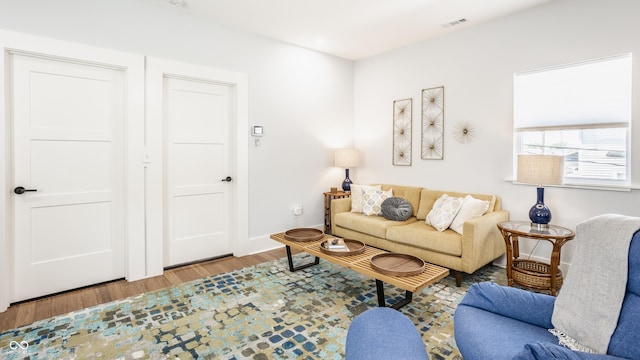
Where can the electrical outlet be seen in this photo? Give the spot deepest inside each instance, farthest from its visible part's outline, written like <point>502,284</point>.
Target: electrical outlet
<point>297,210</point>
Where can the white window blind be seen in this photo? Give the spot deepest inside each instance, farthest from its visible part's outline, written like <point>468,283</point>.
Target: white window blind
<point>581,111</point>
<point>591,93</point>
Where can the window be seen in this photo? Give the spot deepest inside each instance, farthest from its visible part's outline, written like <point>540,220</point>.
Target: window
<point>581,111</point>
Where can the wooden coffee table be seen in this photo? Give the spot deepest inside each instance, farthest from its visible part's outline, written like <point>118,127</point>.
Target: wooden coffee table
<point>361,263</point>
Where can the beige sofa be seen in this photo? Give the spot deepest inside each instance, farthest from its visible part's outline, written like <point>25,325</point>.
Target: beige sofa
<point>480,243</point>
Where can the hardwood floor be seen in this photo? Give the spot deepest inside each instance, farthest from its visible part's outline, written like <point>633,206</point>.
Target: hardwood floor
<point>29,311</point>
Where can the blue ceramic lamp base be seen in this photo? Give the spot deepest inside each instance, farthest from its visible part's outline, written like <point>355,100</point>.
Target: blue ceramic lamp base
<point>539,213</point>
<point>346,184</point>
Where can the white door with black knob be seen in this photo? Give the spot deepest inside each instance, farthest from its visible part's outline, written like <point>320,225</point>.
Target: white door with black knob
<point>68,170</point>
<point>198,185</point>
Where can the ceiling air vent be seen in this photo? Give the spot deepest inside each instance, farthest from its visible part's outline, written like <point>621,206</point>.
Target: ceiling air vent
<point>455,22</point>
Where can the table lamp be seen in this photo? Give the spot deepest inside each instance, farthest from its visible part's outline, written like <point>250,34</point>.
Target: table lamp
<point>346,158</point>
<point>540,170</point>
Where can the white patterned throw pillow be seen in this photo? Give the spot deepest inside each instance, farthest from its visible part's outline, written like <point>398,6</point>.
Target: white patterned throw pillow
<point>356,196</point>
<point>471,208</point>
<point>372,201</point>
<point>444,211</point>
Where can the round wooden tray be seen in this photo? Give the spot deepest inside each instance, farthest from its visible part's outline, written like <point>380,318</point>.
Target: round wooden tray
<point>354,246</point>
<point>397,264</point>
<point>303,234</point>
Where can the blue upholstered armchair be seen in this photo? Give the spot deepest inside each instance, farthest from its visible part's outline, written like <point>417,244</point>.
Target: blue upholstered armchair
<point>496,322</point>
<point>384,334</point>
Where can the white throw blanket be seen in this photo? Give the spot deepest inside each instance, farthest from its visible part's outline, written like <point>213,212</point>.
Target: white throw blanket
<point>587,309</point>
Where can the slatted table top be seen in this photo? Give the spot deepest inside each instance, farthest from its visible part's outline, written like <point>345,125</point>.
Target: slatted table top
<point>361,263</point>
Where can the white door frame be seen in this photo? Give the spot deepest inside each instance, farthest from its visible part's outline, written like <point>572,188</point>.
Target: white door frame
<point>156,71</point>
<point>133,66</point>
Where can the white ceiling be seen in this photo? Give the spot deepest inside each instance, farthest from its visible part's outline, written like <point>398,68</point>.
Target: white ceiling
<point>351,29</point>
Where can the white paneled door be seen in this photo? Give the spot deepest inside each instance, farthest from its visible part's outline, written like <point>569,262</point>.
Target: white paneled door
<point>197,170</point>
<point>67,127</point>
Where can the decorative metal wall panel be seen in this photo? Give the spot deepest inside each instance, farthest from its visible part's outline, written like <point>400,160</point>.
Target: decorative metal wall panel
<point>402,115</point>
<point>433,123</point>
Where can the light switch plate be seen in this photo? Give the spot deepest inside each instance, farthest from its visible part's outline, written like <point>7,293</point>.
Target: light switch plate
<point>257,130</point>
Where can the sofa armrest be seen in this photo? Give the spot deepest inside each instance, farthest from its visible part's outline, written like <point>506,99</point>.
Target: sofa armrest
<point>482,241</point>
<point>339,205</point>
<point>511,302</point>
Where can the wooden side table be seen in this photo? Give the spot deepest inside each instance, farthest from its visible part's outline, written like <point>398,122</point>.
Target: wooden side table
<point>328,196</point>
<point>530,273</point>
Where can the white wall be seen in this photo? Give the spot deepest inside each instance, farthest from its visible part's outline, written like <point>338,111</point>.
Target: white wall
<point>301,97</point>
<point>476,66</point>
<point>305,100</point>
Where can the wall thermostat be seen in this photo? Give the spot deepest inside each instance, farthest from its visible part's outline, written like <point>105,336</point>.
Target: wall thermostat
<point>257,131</point>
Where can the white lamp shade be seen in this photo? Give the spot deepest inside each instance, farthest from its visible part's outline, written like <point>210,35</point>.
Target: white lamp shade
<point>540,169</point>
<point>346,158</point>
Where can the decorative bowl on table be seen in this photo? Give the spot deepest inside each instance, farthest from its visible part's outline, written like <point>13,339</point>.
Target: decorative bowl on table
<point>397,264</point>
<point>342,247</point>
<point>303,234</point>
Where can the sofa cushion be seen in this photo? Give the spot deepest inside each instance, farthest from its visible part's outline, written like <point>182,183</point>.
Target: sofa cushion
<point>372,201</point>
<point>423,236</point>
<point>510,302</point>
<point>471,209</point>
<point>626,336</point>
<point>396,209</point>
<point>444,211</point>
<point>545,351</point>
<point>409,193</point>
<point>481,335</point>
<point>370,225</point>
<point>429,197</point>
<point>356,196</point>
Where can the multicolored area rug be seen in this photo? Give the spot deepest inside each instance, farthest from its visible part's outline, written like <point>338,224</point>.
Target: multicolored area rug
<point>259,312</point>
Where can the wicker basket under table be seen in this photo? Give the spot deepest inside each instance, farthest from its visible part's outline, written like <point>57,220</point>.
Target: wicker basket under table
<point>534,274</point>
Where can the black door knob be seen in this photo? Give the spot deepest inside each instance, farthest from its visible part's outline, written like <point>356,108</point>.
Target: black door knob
<point>20,190</point>
<point>227,179</point>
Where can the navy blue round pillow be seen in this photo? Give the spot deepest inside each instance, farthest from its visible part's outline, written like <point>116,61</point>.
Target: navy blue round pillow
<point>396,208</point>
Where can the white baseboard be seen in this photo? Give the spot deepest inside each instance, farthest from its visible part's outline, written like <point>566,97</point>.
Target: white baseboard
<point>264,243</point>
